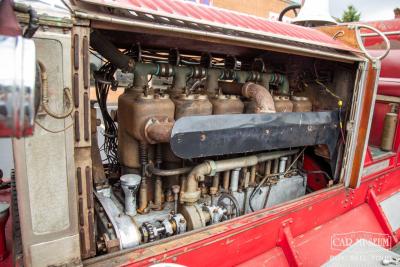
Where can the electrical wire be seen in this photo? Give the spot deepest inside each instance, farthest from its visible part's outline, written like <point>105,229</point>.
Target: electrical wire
<point>319,172</point>
<point>54,131</point>
<point>266,178</point>
<point>294,161</point>
<point>94,54</point>
<point>45,96</point>
<point>328,90</point>
<point>340,101</point>
<point>252,195</point>
<point>104,80</point>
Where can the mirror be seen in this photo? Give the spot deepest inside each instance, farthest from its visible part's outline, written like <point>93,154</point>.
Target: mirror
<point>18,86</point>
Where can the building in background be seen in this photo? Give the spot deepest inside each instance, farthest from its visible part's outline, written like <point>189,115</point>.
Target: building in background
<point>269,9</point>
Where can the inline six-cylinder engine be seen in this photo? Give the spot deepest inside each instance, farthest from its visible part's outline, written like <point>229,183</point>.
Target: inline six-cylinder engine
<point>198,140</point>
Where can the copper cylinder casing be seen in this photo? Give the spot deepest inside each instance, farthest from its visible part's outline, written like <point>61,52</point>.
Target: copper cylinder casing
<point>134,112</point>
<point>283,104</point>
<point>227,104</point>
<point>192,105</point>
<point>389,130</point>
<point>249,107</point>
<point>301,104</point>
<point>185,105</point>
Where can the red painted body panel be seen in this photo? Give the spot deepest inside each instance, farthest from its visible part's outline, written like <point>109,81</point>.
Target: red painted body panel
<point>317,245</point>
<point>391,27</point>
<point>390,70</point>
<point>203,14</point>
<point>315,181</point>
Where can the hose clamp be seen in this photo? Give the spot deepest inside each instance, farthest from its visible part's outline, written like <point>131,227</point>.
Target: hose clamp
<point>213,167</point>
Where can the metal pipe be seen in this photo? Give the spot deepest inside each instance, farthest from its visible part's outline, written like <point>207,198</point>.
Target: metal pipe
<point>230,88</point>
<point>158,182</point>
<point>276,165</point>
<point>245,181</point>
<point>226,181</point>
<point>282,167</point>
<point>212,80</point>
<point>215,182</point>
<point>143,198</point>
<point>102,45</point>
<point>151,169</point>
<point>141,72</point>
<point>175,190</point>
<point>191,193</point>
<point>288,162</point>
<point>283,82</point>
<point>234,180</point>
<point>252,181</point>
<point>143,186</point>
<point>268,164</point>
<point>158,193</point>
<point>182,73</point>
<point>158,131</point>
<point>260,96</point>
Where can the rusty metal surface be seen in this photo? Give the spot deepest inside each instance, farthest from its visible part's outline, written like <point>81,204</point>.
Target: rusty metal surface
<point>224,104</point>
<point>159,131</point>
<point>301,104</point>
<point>283,104</point>
<point>83,145</point>
<point>205,17</point>
<point>192,105</point>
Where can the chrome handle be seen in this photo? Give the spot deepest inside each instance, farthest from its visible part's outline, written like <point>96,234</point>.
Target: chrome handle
<point>357,28</point>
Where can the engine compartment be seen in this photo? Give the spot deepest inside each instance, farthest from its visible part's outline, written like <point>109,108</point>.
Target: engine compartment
<point>202,137</point>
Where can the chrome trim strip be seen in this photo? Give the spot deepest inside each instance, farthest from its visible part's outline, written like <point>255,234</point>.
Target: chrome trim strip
<point>377,67</point>
<point>376,34</point>
<point>387,98</point>
<point>352,134</point>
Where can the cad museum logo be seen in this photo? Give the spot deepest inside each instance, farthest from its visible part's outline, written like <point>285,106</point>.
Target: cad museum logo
<point>342,241</point>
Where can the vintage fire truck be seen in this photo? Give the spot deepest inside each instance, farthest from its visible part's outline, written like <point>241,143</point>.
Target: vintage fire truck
<point>167,132</point>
